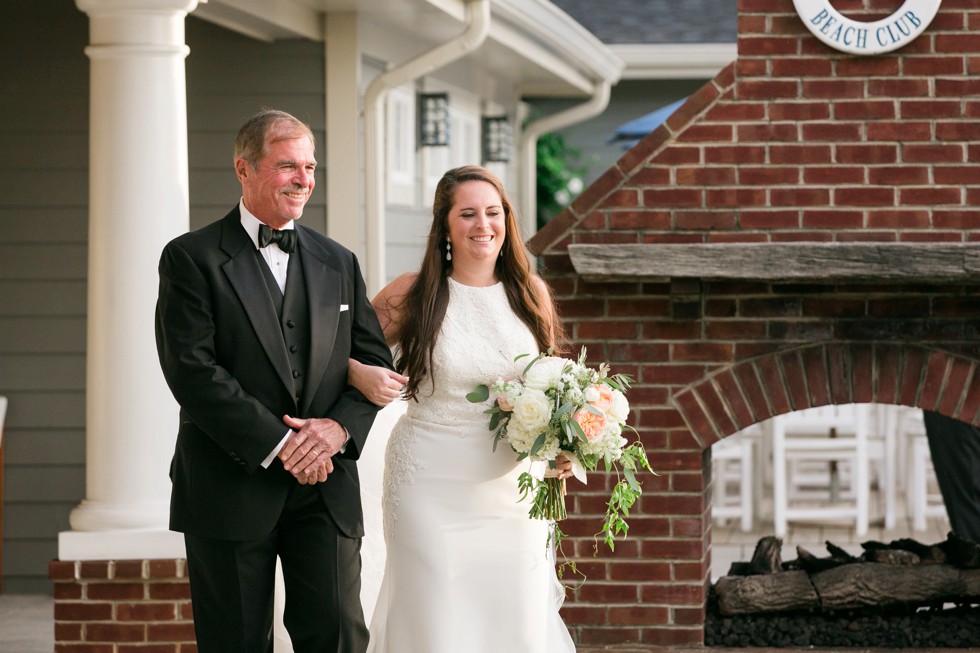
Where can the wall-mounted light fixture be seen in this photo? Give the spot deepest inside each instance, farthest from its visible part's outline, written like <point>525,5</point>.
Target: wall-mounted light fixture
<point>497,139</point>
<point>433,119</point>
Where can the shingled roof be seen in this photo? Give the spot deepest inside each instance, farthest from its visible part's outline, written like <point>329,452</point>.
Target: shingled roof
<point>620,22</point>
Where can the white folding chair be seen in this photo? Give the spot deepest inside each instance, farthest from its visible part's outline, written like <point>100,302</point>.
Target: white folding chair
<point>732,468</point>
<point>820,467</point>
<point>883,457</point>
<point>922,496</point>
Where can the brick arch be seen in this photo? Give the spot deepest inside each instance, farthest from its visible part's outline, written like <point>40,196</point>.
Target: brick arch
<point>751,391</point>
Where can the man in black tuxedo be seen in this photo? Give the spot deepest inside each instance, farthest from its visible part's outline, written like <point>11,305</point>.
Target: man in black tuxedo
<point>256,320</point>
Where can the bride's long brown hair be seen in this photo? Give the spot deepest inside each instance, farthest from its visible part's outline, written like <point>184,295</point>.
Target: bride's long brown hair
<point>425,303</point>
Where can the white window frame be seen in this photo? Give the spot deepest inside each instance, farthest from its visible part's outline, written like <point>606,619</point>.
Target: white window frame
<point>400,169</point>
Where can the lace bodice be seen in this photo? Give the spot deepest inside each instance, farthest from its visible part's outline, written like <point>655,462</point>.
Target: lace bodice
<point>479,339</point>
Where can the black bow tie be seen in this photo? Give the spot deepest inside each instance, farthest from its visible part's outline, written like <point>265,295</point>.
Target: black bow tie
<point>286,238</point>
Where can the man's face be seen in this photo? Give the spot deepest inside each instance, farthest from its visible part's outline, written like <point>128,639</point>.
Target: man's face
<point>279,188</point>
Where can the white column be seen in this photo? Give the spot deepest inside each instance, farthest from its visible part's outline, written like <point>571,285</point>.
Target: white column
<point>138,200</point>
<point>342,151</point>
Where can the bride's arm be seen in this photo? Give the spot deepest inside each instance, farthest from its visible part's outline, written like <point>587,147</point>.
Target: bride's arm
<point>389,304</point>
<point>380,385</point>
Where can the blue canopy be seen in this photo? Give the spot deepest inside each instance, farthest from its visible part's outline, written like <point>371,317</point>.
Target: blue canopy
<point>631,132</point>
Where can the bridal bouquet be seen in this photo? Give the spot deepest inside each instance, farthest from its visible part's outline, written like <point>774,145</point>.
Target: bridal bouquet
<point>558,406</point>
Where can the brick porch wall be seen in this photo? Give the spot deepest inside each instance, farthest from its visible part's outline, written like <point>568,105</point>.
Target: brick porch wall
<point>794,142</point>
<point>125,606</point>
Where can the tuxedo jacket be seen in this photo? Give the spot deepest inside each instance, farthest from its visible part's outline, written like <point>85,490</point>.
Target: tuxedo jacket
<point>223,354</point>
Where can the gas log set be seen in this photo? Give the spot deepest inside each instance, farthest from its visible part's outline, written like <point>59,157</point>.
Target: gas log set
<point>896,595</point>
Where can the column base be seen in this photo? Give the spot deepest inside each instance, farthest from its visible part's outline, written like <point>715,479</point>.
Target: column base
<point>149,544</point>
<point>101,516</point>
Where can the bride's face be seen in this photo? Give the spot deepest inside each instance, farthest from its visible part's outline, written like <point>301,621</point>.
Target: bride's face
<point>477,226</point>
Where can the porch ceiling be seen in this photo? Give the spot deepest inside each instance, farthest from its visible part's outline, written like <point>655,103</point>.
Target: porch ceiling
<point>538,48</point>
<point>786,262</point>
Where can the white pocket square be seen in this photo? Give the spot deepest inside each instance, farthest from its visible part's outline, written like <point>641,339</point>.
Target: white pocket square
<point>343,307</point>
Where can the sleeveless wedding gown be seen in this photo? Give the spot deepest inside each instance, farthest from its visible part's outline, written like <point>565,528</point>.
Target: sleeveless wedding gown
<point>466,569</point>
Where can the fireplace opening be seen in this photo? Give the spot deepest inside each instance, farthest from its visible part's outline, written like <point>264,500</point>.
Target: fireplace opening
<point>818,488</point>
<point>896,595</point>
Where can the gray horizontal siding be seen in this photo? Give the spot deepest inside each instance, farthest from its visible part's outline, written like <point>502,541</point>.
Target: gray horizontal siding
<point>43,335</point>
<point>59,410</point>
<point>43,262</point>
<point>25,489</point>
<point>40,297</point>
<point>58,187</point>
<point>45,445</point>
<point>51,262</point>
<point>22,558</point>
<point>43,225</point>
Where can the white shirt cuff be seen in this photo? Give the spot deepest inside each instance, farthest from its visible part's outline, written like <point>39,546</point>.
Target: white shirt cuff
<point>275,452</point>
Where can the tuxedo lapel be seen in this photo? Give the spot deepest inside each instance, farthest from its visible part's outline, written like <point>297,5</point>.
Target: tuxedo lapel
<point>245,276</point>
<point>323,288</point>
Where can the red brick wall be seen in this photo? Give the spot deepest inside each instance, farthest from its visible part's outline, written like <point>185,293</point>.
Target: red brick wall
<point>125,606</point>
<point>793,142</point>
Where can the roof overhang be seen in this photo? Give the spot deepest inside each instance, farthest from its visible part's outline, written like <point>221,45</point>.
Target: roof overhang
<point>540,49</point>
<point>674,60</point>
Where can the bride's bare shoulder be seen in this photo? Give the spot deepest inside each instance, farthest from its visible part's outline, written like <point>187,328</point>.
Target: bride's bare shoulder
<point>389,304</point>
<point>394,293</point>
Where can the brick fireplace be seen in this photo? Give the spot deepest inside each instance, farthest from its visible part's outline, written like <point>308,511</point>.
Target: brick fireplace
<point>803,231</point>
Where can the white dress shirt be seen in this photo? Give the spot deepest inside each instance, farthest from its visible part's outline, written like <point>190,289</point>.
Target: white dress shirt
<point>277,259</point>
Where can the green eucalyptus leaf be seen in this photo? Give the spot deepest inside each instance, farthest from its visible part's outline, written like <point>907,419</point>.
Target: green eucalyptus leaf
<point>631,479</point>
<point>480,394</point>
<point>538,443</point>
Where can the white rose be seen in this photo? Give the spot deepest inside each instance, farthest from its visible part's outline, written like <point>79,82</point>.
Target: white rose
<point>591,394</point>
<point>532,410</point>
<point>574,395</point>
<point>520,441</point>
<point>545,373</point>
<point>620,408</point>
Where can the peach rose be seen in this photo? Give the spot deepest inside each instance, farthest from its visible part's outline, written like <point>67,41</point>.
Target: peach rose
<point>605,397</point>
<point>592,425</point>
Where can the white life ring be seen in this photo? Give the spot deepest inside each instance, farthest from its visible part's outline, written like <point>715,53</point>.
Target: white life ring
<point>874,37</point>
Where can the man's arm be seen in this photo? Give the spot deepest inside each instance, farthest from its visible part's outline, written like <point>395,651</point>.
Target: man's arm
<point>206,391</point>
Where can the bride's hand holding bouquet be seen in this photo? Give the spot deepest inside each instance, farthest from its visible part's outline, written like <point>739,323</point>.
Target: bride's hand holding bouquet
<point>558,408</point>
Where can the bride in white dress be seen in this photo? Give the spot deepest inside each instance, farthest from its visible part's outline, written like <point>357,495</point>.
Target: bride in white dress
<point>466,569</point>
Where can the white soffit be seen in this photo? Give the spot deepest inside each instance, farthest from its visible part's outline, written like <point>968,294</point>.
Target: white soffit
<point>265,20</point>
<point>532,42</point>
<point>674,60</point>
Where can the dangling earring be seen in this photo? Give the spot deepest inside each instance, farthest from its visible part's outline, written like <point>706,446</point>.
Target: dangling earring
<point>449,249</point>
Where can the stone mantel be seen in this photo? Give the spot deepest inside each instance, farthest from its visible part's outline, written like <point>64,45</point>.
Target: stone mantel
<point>780,262</point>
